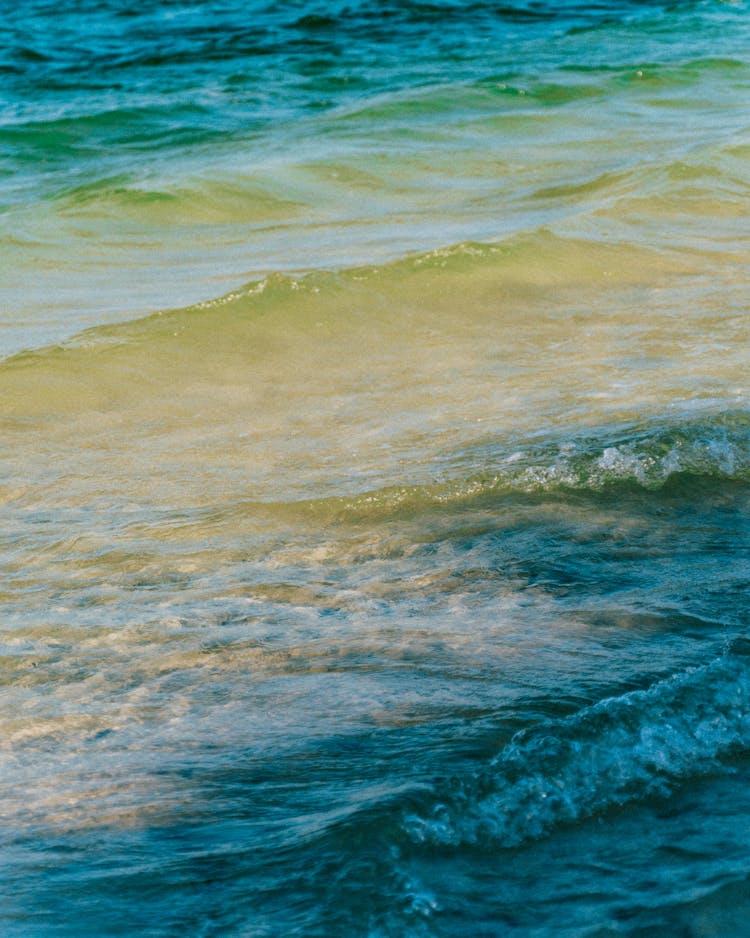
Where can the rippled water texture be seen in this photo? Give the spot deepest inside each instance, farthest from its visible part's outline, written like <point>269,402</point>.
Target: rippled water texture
<point>374,469</point>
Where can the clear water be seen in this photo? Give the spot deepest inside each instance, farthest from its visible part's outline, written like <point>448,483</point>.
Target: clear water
<point>374,469</point>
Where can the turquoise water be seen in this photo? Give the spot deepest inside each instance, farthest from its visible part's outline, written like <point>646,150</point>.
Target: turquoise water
<point>374,469</point>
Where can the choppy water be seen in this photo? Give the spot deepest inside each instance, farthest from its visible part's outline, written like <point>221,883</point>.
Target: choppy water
<point>374,469</point>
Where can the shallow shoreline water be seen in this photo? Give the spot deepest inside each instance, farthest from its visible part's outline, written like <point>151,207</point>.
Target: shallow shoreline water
<point>375,469</point>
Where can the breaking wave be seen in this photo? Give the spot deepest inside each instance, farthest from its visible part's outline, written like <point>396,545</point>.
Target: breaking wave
<point>682,458</point>
<point>622,749</point>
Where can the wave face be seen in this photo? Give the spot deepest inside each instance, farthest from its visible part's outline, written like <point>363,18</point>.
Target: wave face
<point>374,469</point>
<point>616,751</point>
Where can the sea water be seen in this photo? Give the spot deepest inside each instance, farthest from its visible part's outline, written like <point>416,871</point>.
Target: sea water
<point>374,468</point>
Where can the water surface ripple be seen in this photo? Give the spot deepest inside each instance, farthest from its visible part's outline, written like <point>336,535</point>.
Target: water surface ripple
<point>374,469</point>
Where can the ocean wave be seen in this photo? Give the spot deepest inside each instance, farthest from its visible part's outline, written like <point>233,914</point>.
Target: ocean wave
<point>525,265</point>
<point>199,202</point>
<point>680,458</point>
<point>639,745</point>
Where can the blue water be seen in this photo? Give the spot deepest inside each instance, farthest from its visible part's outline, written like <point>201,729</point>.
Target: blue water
<point>374,469</point>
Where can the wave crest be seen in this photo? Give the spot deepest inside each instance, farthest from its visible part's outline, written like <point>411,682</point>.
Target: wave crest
<point>683,458</point>
<point>621,749</point>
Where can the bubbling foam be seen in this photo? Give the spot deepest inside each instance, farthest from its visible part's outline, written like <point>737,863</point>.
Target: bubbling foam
<point>621,749</point>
